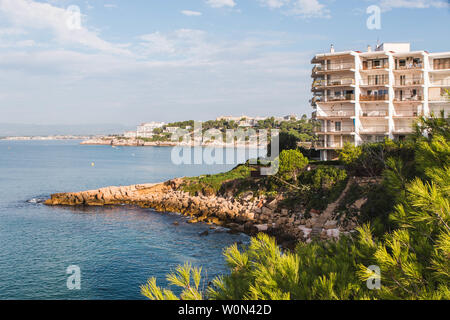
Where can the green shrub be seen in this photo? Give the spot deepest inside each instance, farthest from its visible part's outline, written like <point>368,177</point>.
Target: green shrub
<point>291,163</point>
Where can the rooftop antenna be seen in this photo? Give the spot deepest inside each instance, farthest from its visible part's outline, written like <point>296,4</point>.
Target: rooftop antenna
<point>378,43</point>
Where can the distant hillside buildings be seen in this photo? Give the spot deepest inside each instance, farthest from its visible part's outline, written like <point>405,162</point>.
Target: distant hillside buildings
<point>146,130</point>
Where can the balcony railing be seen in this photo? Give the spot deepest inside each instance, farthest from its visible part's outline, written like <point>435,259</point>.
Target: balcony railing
<point>318,68</point>
<point>409,82</point>
<point>374,82</point>
<point>406,114</point>
<point>439,98</point>
<point>408,129</point>
<point>333,67</point>
<point>441,64</point>
<point>346,97</point>
<point>408,98</point>
<point>339,66</point>
<point>385,66</point>
<point>334,130</point>
<point>323,144</point>
<point>411,65</point>
<point>325,113</point>
<point>338,82</point>
<point>316,99</point>
<point>441,82</point>
<point>374,129</point>
<point>377,113</point>
<point>374,97</point>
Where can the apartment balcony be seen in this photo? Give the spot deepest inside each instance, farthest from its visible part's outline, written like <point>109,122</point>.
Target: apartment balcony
<point>374,82</point>
<point>324,114</point>
<point>345,66</point>
<point>377,67</point>
<point>331,131</point>
<point>318,68</point>
<point>373,97</point>
<point>403,130</point>
<point>318,84</point>
<point>406,114</point>
<point>380,129</point>
<point>440,83</point>
<point>327,145</point>
<point>409,83</point>
<point>410,66</point>
<point>441,98</point>
<point>406,99</point>
<point>340,98</point>
<point>374,114</point>
<point>316,99</point>
<point>441,65</point>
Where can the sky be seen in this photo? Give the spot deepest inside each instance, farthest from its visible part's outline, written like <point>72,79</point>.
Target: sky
<point>131,61</point>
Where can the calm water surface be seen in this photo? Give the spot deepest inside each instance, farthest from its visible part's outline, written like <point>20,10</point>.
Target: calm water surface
<point>117,248</point>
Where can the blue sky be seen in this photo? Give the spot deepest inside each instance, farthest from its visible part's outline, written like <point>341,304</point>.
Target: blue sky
<point>131,61</point>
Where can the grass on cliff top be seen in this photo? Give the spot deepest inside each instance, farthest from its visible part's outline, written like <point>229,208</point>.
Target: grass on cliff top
<point>211,183</point>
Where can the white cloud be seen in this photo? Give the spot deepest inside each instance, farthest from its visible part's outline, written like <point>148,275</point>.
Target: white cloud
<point>191,13</point>
<point>12,32</point>
<point>31,15</point>
<point>413,4</point>
<point>309,8</point>
<point>274,4</point>
<point>221,3</point>
<point>156,43</point>
<point>185,74</point>
<point>110,5</point>
<point>301,8</point>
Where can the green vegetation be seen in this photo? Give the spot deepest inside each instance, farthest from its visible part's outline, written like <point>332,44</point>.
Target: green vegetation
<point>210,184</point>
<point>291,131</point>
<point>404,231</point>
<point>292,162</point>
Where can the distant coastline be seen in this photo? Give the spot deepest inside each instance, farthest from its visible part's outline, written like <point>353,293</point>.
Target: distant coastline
<point>133,142</point>
<point>45,138</point>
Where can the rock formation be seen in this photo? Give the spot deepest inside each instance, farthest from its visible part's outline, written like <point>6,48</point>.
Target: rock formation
<point>247,213</point>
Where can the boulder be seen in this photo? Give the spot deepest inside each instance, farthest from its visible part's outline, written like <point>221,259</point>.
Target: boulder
<point>262,227</point>
<point>267,211</point>
<point>246,196</point>
<point>330,224</point>
<point>333,233</point>
<point>272,205</point>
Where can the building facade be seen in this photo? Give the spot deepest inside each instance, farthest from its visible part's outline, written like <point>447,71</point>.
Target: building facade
<point>145,130</point>
<point>366,96</point>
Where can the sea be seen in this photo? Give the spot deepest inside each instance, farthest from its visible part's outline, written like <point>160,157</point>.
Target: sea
<point>101,253</point>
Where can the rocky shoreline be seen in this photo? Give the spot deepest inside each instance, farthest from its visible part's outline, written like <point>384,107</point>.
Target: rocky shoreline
<point>246,214</point>
<point>131,142</point>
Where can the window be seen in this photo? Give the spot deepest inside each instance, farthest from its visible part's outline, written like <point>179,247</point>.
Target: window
<point>337,126</point>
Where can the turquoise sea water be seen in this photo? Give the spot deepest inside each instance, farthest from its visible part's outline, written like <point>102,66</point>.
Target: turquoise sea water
<point>117,249</point>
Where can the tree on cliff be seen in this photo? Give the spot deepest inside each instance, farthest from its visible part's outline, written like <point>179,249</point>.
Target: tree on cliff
<point>291,163</point>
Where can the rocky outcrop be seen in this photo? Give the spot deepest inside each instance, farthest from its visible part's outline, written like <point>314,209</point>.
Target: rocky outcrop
<point>246,213</point>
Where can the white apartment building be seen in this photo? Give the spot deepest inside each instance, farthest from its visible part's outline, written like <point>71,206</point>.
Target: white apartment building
<point>145,130</point>
<point>130,134</point>
<point>366,96</point>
